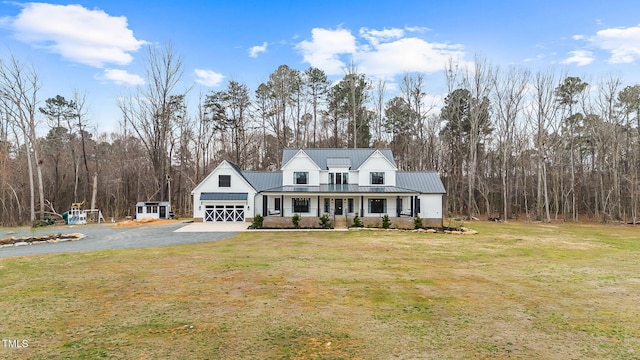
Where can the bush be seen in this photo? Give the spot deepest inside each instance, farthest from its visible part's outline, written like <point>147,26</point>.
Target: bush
<point>386,222</point>
<point>417,222</point>
<point>325,223</point>
<point>296,221</point>
<point>257,221</point>
<point>357,222</point>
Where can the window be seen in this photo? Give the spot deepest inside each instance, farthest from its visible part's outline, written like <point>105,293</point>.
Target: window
<point>300,178</point>
<point>377,206</point>
<point>276,205</point>
<point>152,209</point>
<point>224,180</point>
<point>417,205</point>
<point>327,205</point>
<point>340,178</point>
<point>350,205</point>
<point>140,209</point>
<point>377,178</point>
<point>301,205</point>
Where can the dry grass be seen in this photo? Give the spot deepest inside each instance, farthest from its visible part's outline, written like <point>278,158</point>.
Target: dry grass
<point>513,291</point>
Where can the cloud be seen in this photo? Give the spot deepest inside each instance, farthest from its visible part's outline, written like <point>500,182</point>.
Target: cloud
<point>579,57</point>
<point>208,77</point>
<point>122,77</point>
<point>379,53</point>
<point>255,50</point>
<point>90,37</point>
<point>325,48</point>
<point>622,43</point>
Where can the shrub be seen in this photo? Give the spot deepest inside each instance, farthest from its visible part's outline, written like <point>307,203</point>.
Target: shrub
<point>257,221</point>
<point>357,222</point>
<point>417,222</point>
<point>386,222</point>
<point>296,221</point>
<point>325,223</point>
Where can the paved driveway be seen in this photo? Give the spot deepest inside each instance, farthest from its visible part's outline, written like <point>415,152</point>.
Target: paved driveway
<point>104,236</point>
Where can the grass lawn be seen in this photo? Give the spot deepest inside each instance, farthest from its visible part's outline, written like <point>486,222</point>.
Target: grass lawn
<point>514,291</point>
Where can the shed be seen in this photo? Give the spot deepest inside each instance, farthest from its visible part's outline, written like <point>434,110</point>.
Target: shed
<point>154,210</point>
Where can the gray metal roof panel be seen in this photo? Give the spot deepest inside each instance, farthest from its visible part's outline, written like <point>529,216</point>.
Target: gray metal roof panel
<point>350,188</point>
<point>339,162</point>
<point>320,155</point>
<point>262,180</point>
<point>426,182</point>
<point>223,196</point>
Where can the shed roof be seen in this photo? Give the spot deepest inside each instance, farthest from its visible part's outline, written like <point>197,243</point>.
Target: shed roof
<point>426,182</point>
<point>223,196</point>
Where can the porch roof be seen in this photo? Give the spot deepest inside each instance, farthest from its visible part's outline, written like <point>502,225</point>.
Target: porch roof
<point>339,189</point>
<point>223,196</point>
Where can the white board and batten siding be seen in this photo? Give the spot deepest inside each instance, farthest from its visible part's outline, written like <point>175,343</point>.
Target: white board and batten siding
<point>210,185</point>
<point>377,163</point>
<point>301,162</point>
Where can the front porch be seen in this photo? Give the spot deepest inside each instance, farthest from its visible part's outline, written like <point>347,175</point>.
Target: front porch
<point>346,205</point>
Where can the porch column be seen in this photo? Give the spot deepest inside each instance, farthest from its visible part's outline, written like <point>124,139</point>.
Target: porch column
<point>412,212</point>
<point>265,207</point>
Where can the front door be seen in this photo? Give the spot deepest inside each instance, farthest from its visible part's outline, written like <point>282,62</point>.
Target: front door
<point>163,212</point>
<point>338,203</point>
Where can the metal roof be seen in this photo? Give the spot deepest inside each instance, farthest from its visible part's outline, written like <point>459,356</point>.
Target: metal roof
<point>262,180</point>
<point>339,162</point>
<point>342,189</point>
<point>320,156</point>
<point>223,196</point>
<point>426,182</point>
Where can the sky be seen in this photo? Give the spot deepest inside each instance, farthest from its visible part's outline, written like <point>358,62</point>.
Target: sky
<point>97,48</point>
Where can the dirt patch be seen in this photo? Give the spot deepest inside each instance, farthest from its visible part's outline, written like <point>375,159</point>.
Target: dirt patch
<point>144,221</point>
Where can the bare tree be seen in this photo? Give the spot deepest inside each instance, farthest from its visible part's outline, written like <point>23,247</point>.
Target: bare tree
<point>19,86</point>
<point>151,111</point>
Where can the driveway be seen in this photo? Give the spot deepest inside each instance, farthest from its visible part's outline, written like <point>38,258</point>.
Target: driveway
<point>105,236</point>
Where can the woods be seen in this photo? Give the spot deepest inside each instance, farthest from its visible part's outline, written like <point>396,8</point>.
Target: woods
<point>507,142</point>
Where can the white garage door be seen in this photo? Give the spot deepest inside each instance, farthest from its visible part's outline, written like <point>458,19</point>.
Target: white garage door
<point>226,212</point>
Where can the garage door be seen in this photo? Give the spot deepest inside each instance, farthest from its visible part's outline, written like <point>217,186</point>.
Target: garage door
<point>216,213</point>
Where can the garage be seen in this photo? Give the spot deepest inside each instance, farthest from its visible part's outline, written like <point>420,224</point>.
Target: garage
<point>224,207</point>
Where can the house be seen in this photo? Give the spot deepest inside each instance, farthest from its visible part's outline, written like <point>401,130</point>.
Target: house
<point>153,210</point>
<point>313,182</point>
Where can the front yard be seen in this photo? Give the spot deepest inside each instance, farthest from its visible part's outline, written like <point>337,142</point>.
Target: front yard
<point>530,291</point>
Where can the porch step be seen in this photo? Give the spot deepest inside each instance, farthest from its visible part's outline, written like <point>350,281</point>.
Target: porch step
<point>341,222</point>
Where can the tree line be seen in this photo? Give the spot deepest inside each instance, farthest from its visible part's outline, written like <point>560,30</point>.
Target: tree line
<point>507,142</point>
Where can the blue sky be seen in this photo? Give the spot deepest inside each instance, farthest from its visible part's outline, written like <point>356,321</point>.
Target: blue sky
<point>98,47</point>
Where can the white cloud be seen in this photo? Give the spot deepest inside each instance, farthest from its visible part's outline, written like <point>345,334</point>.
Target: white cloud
<point>255,50</point>
<point>622,43</point>
<point>325,48</point>
<point>378,53</point>
<point>377,36</point>
<point>577,37</point>
<point>208,77</point>
<point>579,57</point>
<point>90,37</point>
<point>122,77</point>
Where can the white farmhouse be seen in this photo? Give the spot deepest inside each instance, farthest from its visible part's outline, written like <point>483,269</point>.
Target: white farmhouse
<point>313,182</point>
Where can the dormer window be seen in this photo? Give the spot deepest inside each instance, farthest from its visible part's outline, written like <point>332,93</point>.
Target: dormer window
<point>300,178</point>
<point>338,178</point>
<point>377,178</point>
<point>224,180</point>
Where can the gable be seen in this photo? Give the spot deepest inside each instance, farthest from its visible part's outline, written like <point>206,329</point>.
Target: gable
<point>211,183</point>
<point>323,157</point>
<point>300,161</point>
<point>377,161</point>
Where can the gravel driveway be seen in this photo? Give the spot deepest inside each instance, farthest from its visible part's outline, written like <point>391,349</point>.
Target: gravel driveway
<point>105,236</point>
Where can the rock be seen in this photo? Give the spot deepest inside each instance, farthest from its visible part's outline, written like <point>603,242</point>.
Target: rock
<point>21,243</point>
<point>431,231</point>
<point>470,232</point>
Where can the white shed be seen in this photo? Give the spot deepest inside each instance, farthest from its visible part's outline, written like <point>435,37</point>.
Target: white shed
<point>153,210</point>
